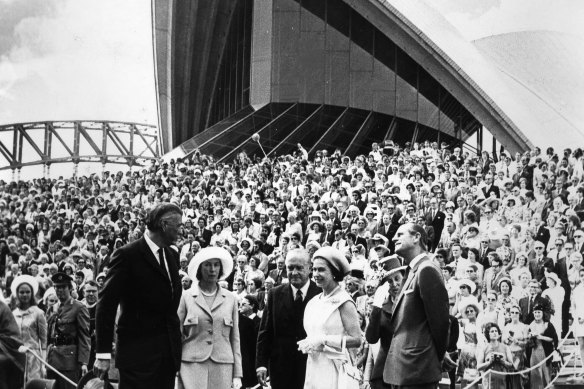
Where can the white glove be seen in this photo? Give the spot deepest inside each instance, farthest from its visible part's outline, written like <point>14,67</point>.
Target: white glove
<point>380,295</point>
<point>236,383</point>
<point>23,349</point>
<point>311,344</point>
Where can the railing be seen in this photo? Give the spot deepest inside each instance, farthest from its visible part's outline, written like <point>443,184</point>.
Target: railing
<point>488,373</point>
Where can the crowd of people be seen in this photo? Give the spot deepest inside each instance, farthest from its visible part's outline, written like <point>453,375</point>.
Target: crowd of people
<point>504,230</point>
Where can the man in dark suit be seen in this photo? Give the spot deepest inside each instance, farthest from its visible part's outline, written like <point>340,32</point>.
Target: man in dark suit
<point>541,231</point>
<point>490,188</point>
<point>484,251</point>
<point>526,304</point>
<point>420,318</point>
<point>279,273</point>
<point>435,218</point>
<point>282,326</point>
<point>143,281</point>
<point>538,264</point>
<point>561,269</point>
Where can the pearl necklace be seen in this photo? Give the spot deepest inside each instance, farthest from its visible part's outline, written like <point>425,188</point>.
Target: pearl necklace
<point>209,294</point>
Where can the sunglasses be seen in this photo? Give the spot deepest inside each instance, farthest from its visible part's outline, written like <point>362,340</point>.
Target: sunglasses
<point>492,299</point>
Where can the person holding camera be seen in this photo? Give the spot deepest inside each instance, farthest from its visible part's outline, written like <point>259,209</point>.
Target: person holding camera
<point>496,356</point>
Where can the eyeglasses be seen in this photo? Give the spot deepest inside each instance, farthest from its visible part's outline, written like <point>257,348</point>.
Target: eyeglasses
<point>469,311</point>
<point>492,299</point>
<point>538,248</point>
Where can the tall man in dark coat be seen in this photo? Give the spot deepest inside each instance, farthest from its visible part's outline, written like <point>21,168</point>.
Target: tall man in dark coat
<point>143,280</point>
<point>420,319</point>
<point>282,326</point>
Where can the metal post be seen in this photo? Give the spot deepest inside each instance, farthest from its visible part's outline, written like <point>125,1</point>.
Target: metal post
<point>18,171</point>
<point>75,169</point>
<point>13,174</point>
<point>48,170</point>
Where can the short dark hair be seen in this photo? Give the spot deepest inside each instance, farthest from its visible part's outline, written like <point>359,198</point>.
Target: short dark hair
<point>91,283</point>
<point>154,217</point>
<point>488,329</point>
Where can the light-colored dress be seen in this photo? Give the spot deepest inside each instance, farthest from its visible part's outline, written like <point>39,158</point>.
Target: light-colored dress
<point>578,310</point>
<point>322,317</point>
<point>33,333</point>
<point>556,296</point>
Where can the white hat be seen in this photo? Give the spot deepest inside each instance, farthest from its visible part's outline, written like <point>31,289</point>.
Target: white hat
<point>25,279</point>
<point>554,277</point>
<point>211,253</point>
<point>470,284</point>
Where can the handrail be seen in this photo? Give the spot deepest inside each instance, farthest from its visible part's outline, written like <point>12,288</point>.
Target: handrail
<point>50,367</point>
<point>503,373</point>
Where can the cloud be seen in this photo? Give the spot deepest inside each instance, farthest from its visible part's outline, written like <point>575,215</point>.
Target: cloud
<point>79,59</point>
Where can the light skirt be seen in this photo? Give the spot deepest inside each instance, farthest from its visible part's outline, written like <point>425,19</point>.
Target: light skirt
<point>205,375</point>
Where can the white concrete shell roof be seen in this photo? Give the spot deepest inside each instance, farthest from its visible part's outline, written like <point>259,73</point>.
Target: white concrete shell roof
<point>534,81</point>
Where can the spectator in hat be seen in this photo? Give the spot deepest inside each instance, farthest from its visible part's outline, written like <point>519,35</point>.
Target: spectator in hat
<point>379,331</point>
<point>31,322</point>
<point>211,356</point>
<point>331,320</point>
<point>68,335</point>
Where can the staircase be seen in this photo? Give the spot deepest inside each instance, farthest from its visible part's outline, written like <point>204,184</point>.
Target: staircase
<point>566,379</point>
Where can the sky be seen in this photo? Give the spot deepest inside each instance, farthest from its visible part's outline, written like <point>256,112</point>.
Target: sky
<point>87,59</point>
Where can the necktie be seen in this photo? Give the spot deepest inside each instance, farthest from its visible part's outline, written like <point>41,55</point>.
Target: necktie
<point>161,260</point>
<point>298,299</point>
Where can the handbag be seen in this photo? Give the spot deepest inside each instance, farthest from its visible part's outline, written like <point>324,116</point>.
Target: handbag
<point>349,375</point>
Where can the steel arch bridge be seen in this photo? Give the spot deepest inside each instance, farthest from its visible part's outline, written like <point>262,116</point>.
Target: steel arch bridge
<point>51,142</point>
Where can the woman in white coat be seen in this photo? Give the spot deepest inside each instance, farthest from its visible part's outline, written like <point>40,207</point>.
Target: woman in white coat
<point>208,314</point>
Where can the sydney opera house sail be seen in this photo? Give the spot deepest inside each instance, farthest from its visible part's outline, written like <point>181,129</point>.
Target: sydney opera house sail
<point>338,74</point>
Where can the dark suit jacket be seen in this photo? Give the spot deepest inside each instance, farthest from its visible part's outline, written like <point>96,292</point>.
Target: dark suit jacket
<point>527,309</point>
<point>280,330</point>
<point>543,234</point>
<point>148,322</point>
<point>274,274</point>
<point>247,338</point>
<point>379,329</point>
<point>420,324</point>
<point>438,223</point>
<point>537,269</point>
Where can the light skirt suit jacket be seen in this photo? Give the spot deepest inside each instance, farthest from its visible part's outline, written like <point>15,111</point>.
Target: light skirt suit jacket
<point>211,355</point>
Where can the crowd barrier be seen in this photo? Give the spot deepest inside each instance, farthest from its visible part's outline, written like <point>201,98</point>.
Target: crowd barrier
<point>528,370</point>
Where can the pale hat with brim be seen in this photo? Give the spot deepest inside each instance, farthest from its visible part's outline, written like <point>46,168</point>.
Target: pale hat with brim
<point>334,257</point>
<point>471,285</point>
<point>24,279</point>
<point>470,303</point>
<point>393,263</point>
<point>554,277</point>
<point>211,253</point>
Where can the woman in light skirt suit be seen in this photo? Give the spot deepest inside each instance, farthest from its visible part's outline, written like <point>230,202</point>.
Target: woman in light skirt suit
<point>208,314</point>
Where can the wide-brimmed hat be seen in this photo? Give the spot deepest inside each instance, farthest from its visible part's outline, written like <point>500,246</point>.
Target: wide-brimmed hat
<point>381,238</point>
<point>211,253</point>
<point>470,284</point>
<point>334,257</point>
<point>554,277</point>
<point>469,303</point>
<point>24,279</point>
<point>393,263</point>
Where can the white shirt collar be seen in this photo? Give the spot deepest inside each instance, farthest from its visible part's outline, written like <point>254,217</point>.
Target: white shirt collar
<point>304,290</point>
<point>416,259</point>
<point>153,246</point>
